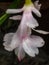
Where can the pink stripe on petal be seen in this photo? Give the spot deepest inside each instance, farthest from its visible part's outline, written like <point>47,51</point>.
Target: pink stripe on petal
<point>20,52</point>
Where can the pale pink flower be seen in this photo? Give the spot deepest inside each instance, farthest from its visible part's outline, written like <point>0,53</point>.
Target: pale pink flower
<point>22,41</point>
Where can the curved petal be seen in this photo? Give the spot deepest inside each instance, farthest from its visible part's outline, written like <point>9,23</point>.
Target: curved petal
<point>7,36</point>
<point>7,39</point>
<point>31,51</point>
<point>36,11</point>
<point>8,48</point>
<point>20,52</point>
<point>32,22</point>
<point>35,41</point>
<point>13,11</point>
<point>15,41</point>
<point>41,31</point>
<point>37,5</point>
<point>18,17</point>
<point>12,43</point>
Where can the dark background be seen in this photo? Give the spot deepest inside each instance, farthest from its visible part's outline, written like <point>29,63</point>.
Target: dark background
<point>6,0</point>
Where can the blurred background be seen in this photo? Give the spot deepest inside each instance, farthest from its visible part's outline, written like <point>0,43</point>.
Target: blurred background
<point>9,58</point>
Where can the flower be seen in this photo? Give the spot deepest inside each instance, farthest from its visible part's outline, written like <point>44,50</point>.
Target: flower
<point>22,41</point>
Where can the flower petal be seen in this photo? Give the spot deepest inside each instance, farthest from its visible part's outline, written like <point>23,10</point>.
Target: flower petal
<point>11,43</point>
<point>15,41</point>
<point>7,36</point>
<point>32,22</point>
<point>41,31</point>
<point>35,41</point>
<point>18,17</point>
<point>20,52</point>
<point>35,50</point>
<point>31,51</point>
<point>8,48</point>
<point>37,5</point>
<point>7,39</point>
<point>36,11</point>
<point>23,28</point>
<point>13,11</point>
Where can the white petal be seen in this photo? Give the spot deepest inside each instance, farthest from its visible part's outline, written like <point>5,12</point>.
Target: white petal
<point>35,50</point>
<point>7,39</point>
<point>37,5</point>
<point>35,41</point>
<point>11,43</point>
<point>36,11</point>
<point>31,51</point>
<point>8,48</point>
<point>18,17</point>
<point>8,36</point>
<point>13,11</point>
<point>15,41</point>
<point>20,52</point>
<point>41,31</point>
<point>32,22</point>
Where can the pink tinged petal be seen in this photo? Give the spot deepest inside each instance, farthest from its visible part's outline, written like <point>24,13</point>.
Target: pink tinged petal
<point>41,31</point>
<point>23,28</point>
<point>15,41</point>
<point>13,11</point>
<point>18,17</point>
<point>31,51</point>
<point>28,31</point>
<point>32,22</point>
<point>7,39</point>
<point>36,11</point>
<point>35,41</point>
<point>7,36</point>
<point>37,5</point>
<point>11,43</point>
<point>23,32</point>
<point>20,52</point>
